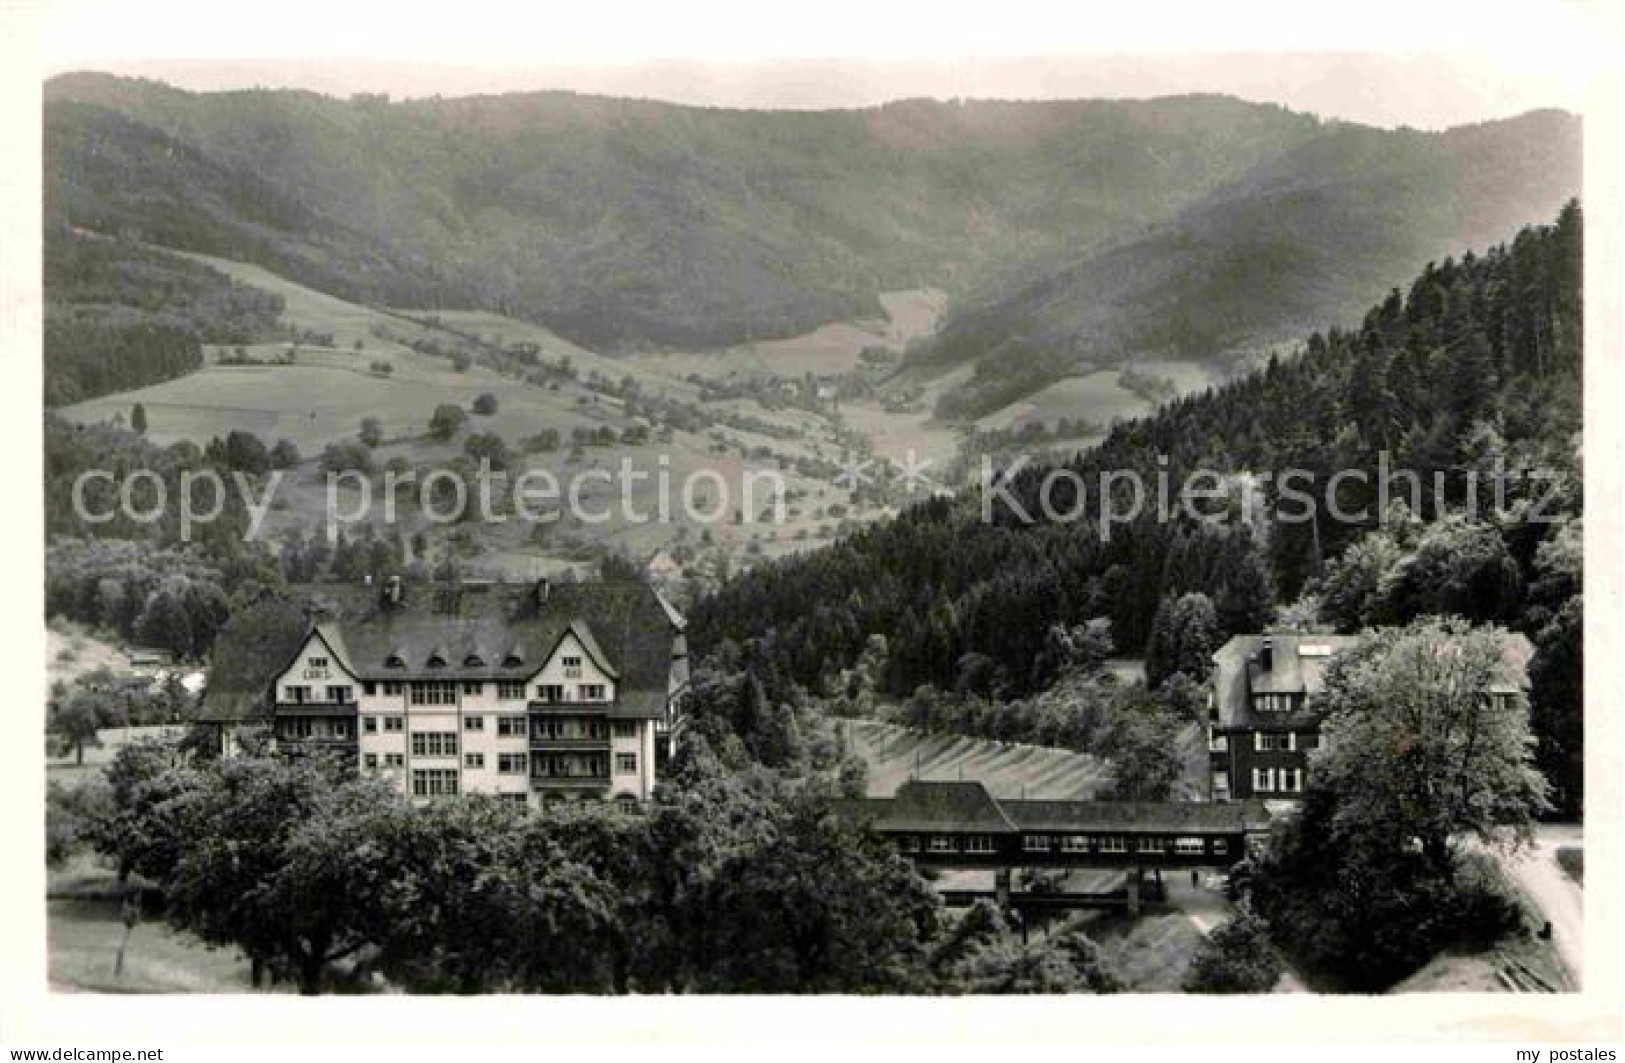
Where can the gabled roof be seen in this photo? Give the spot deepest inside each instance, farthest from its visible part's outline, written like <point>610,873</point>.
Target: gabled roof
<point>625,626</point>
<point>589,645</point>
<point>1298,666</point>
<point>920,805</point>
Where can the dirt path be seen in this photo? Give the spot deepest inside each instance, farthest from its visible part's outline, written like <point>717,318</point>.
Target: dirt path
<point>1558,897</point>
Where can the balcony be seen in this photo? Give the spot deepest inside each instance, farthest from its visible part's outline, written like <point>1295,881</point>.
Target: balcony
<point>570,743</point>
<point>573,708</point>
<point>345,709</point>
<point>566,782</point>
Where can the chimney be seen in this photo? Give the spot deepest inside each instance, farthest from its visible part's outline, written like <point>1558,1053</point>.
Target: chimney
<point>1266,655</point>
<point>544,586</point>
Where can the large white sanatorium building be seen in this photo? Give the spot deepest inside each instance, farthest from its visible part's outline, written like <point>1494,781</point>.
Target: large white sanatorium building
<point>532,693</point>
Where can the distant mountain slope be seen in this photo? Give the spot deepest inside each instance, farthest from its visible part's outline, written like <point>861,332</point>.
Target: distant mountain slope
<point>1312,235</point>
<point>631,224</point>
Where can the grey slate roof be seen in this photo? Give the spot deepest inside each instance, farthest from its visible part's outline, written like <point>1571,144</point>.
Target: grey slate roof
<point>625,626</point>
<point>921,806</point>
<point>1237,670</point>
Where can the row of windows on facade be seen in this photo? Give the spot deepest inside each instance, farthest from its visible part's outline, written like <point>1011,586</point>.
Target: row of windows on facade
<point>1266,781</point>
<point>1066,843</point>
<point>1277,702</point>
<point>551,767</point>
<point>1263,742</point>
<point>441,692</point>
<point>442,782</point>
<point>571,663</point>
<point>552,729</point>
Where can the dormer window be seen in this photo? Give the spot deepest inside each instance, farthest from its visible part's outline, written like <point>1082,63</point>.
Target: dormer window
<point>513,660</point>
<point>473,660</point>
<point>394,660</point>
<point>436,661</point>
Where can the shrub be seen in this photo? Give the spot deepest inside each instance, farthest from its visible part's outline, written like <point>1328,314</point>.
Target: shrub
<point>1236,958</point>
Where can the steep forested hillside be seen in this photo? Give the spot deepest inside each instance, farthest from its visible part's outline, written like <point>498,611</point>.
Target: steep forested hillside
<point>122,315</point>
<point>626,224</point>
<point>1474,368</point>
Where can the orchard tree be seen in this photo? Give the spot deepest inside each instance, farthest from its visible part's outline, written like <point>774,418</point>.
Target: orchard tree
<point>77,716</point>
<point>372,432</point>
<point>447,419</point>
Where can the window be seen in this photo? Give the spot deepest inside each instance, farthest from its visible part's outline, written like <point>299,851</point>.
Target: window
<point>979,843</point>
<point>1263,780</point>
<point>626,763</point>
<point>434,782</point>
<point>1275,743</point>
<point>343,695</point>
<point>510,726</point>
<point>434,693</point>
<point>394,760</point>
<point>297,694</point>
<point>370,760</point>
<point>472,690</point>
<point>1220,846</point>
<point>908,843</point>
<point>1217,743</point>
<point>369,724</point>
<point>394,661</point>
<point>592,692</point>
<point>625,729</point>
<point>1291,780</point>
<point>1035,843</point>
<point>1151,845</point>
<point>550,693</point>
<point>511,690</point>
<point>627,803</point>
<point>473,660</point>
<point>515,799</point>
<point>473,760</point>
<point>1076,843</point>
<point>295,727</point>
<point>394,723</point>
<point>318,662</point>
<point>513,763</point>
<point>473,723</point>
<point>572,667</point>
<point>1221,784</point>
<point>369,688</point>
<point>1188,845</point>
<point>434,744</point>
<point>392,688</point>
<point>944,843</point>
<point>1113,843</point>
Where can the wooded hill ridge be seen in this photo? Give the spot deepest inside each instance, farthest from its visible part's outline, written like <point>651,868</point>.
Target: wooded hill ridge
<point>1064,231</point>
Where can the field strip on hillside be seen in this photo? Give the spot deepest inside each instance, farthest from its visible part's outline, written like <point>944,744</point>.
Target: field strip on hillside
<point>895,754</point>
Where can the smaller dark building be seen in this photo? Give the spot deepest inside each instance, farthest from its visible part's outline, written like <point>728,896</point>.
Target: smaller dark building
<point>960,824</point>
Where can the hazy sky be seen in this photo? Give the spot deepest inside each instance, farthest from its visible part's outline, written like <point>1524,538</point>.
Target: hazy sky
<point>1386,62</point>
